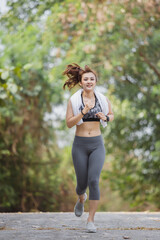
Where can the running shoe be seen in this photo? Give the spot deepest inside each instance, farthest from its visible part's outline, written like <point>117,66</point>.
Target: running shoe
<point>90,227</point>
<point>79,207</point>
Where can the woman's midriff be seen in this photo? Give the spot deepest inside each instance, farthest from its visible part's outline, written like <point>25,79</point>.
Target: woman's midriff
<point>88,129</point>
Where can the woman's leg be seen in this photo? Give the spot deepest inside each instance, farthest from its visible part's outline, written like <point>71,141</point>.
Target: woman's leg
<point>93,204</point>
<point>96,161</point>
<point>80,159</point>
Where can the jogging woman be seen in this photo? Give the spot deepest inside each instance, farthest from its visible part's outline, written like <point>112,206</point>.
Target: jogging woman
<point>87,108</point>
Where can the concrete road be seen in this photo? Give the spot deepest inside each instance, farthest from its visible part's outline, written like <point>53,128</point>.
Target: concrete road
<point>65,225</point>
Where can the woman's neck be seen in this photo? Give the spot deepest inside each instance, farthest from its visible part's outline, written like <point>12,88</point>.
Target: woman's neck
<point>89,94</point>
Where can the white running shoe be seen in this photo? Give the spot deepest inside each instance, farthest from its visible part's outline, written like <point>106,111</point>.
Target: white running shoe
<point>90,227</point>
<point>79,207</point>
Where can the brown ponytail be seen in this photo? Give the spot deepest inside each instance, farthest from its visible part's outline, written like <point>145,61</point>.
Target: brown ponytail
<point>74,74</point>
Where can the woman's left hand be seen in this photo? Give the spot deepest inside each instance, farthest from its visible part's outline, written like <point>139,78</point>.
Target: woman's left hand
<point>101,115</point>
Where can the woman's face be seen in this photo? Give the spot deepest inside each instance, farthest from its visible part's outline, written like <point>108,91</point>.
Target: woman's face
<point>88,81</point>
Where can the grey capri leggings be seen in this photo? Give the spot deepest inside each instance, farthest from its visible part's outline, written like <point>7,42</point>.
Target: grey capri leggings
<point>88,155</point>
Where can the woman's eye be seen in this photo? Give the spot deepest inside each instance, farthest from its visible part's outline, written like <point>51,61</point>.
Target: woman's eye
<point>92,79</point>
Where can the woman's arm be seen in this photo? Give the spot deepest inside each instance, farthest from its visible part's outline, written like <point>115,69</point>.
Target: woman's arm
<point>110,114</point>
<point>72,120</point>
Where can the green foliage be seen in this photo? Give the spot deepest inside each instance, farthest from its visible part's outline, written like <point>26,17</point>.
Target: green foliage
<point>120,40</point>
<point>29,155</point>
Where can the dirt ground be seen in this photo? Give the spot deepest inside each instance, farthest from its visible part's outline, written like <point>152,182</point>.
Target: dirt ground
<point>65,225</point>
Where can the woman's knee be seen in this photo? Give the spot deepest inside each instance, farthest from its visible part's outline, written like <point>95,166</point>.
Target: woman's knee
<point>94,193</point>
<point>93,182</point>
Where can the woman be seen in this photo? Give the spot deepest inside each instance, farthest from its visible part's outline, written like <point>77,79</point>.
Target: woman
<point>86,109</point>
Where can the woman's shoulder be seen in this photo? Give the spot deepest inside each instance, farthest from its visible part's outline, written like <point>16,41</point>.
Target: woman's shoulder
<point>100,94</point>
<point>76,94</point>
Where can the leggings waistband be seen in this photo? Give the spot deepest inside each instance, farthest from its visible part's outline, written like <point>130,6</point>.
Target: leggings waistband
<point>84,140</point>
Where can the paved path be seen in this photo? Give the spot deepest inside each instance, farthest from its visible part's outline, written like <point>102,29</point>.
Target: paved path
<point>65,225</point>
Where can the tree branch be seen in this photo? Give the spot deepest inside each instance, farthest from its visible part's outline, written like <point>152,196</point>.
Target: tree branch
<point>150,64</point>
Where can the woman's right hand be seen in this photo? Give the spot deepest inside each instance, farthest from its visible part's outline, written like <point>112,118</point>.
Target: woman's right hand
<point>89,104</point>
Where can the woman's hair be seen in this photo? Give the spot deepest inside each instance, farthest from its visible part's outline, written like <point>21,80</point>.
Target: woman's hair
<point>74,74</point>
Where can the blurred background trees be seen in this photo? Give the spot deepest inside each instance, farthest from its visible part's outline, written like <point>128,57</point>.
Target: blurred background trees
<point>120,40</point>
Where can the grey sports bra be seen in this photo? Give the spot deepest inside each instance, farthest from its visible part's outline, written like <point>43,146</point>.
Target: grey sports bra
<point>90,115</point>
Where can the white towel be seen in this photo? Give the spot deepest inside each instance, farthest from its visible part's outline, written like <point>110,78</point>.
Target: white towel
<point>77,101</point>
